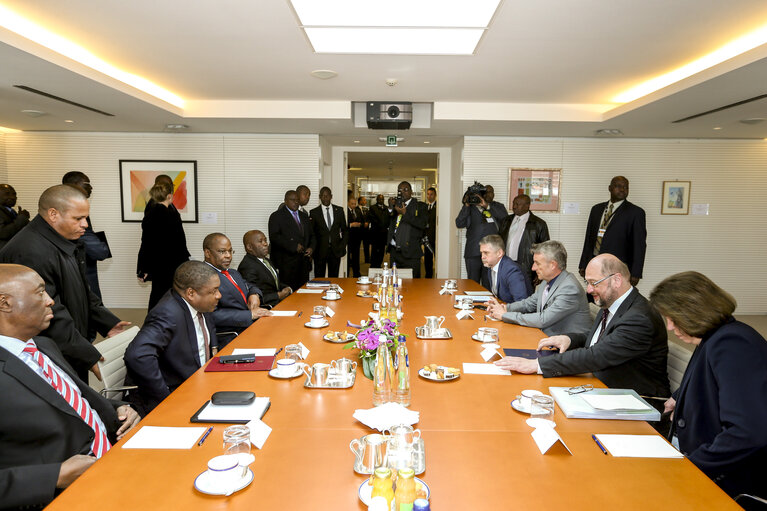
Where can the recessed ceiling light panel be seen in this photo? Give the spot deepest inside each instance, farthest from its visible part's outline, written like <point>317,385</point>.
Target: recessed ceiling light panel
<point>395,41</point>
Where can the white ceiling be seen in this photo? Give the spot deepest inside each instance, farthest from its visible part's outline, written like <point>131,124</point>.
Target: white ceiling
<point>544,68</point>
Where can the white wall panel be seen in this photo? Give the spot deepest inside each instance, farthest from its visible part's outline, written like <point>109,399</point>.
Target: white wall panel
<point>241,178</point>
<point>731,176</point>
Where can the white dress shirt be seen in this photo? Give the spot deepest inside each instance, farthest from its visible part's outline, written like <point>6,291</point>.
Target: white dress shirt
<point>198,331</point>
<point>516,231</point>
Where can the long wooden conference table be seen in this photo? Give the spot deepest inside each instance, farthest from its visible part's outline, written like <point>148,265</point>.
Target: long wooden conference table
<point>479,452</point>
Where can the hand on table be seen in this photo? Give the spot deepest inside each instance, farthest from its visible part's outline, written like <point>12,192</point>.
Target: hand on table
<point>260,313</point>
<point>495,309</point>
<point>561,342</point>
<point>254,302</point>
<point>129,418</point>
<point>518,364</point>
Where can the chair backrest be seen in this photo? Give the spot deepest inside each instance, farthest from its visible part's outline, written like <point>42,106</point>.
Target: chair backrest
<point>113,367</point>
<point>403,273</point>
<point>678,358</point>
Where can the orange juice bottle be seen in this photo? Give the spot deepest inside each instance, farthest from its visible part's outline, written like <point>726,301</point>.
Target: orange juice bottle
<point>405,494</point>
<point>382,485</point>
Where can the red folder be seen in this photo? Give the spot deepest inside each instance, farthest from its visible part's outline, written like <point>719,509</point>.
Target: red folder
<point>261,364</point>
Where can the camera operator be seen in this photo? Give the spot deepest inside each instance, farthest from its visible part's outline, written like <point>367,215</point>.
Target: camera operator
<point>481,216</point>
<point>406,228</point>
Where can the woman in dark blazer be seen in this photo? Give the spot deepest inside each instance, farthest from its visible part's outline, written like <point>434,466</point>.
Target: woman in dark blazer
<point>719,415</point>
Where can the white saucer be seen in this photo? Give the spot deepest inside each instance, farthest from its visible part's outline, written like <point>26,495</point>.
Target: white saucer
<point>274,374</point>
<point>325,297</point>
<point>204,484</point>
<point>476,338</point>
<point>519,407</point>
<point>429,376</point>
<point>364,283</point>
<point>537,423</point>
<point>456,306</point>
<point>366,489</point>
<point>323,325</point>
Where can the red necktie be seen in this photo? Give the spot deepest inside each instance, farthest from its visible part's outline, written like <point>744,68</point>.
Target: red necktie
<point>226,272</point>
<point>100,443</point>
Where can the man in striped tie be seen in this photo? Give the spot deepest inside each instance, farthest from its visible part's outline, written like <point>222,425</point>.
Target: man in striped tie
<point>52,425</point>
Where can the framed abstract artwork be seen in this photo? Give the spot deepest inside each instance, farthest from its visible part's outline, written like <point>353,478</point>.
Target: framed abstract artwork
<point>676,198</point>
<point>137,178</point>
<point>541,185</point>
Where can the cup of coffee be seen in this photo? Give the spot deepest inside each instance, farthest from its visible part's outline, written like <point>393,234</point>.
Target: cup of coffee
<point>331,293</point>
<point>286,367</point>
<point>526,397</point>
<point>224,471</point>
<point>364,279</point>
<point>316,320</point>
<point>487,334</point>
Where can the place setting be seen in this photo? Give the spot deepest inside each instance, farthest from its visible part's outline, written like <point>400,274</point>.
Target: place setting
<point>364,281</point>
<point>229,472</point>
<point>332,293</point>
<point>486,335</point>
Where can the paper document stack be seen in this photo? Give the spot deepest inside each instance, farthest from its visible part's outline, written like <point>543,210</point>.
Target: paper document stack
<point>623,404</point>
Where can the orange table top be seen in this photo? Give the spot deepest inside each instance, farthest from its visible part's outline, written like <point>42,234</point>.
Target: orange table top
<point>478,449</point>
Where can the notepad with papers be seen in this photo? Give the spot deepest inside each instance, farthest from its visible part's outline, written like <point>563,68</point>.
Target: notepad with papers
<point>638,446</point>
<point>622,404</point>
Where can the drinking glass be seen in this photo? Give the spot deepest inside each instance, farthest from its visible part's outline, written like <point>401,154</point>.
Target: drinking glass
<point>237,439</point>
<point>293,351</point>
<point>319,310</point>
<point>542,407</point>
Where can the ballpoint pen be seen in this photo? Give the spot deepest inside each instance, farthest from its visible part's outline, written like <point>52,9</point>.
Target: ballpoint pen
<point>604,451</point>
<point>204,436</point>
<point>299,313</point>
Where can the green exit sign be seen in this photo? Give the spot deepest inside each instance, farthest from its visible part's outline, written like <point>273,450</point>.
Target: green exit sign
<point>391,141</point>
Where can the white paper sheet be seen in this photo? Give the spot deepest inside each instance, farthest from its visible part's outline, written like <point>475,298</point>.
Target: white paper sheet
<point>478,293</point>
<point>472,368</point>
<point>312,291</point>
<point>259,352</point>
<point>235,412</point>
<point>259,432</point>
<point>614,402</point>
<point>284,313</point>
<point>639,446</point>
<point>155,437</point>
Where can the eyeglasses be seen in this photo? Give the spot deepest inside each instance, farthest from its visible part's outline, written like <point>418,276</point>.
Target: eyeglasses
<point>224,252</point>
<point>580,389</point>
<point>595,284</point>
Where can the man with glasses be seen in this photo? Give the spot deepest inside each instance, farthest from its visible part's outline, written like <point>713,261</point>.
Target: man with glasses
<point>626,347</point>
<point>559,304</point>
<point>240,303</point>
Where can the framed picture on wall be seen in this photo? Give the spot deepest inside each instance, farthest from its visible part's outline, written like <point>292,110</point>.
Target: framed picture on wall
<point>676,198</point>
<point>541,185</point>
<point>137,178</point>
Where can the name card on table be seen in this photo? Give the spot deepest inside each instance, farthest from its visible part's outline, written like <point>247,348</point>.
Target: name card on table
<point>259,432</point>
<point>546,437</point>
<point>304,351</point>
<point>464,314</point>
<point>489,353</point>
<point>330,312</point>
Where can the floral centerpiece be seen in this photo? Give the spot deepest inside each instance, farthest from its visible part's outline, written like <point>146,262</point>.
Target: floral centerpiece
<point>368,340</point>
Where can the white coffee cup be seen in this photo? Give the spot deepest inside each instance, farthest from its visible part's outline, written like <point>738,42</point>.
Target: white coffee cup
<point>286,367</point>
<point>364,279</point>
<point>316,320</point>
<point>224,470</point>
<point>526,397</point>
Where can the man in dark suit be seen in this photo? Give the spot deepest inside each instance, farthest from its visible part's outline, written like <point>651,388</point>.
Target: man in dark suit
<point>45,443</point>
<point>330,233</point>
<point>429,250</point>
<point>627,346</point>
<point>292,237</point>
<point>96,246</point>
<point>304,194</point>
<point>480,215</point>
<point>520,231</point>
<point>502,276</point>
<point>178,334</point>
<point>406,228</point>
<point>362,203</point>
<point>239,305</point>
<point>11,220</point>
<point>355,220</point>
<point>379,229</point>
<point>259,271</point>
<point>49,245</point>
<point>617,227</point>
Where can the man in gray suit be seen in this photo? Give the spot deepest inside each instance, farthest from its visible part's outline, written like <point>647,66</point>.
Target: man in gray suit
<point>558,305</point>
<point>626,346</point>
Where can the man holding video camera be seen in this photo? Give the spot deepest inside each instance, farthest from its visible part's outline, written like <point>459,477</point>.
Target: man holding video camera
<point>406,229</point>
<point>481,216</point>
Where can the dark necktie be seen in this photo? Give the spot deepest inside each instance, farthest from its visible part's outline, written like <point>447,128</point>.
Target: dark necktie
<point>298,220</point>
<point>327,217</point>
<point>12,212</point>
<point>605,314</point>
<point>201,321</point>
<point>72,396</point>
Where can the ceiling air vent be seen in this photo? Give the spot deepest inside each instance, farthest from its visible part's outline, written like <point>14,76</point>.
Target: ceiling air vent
<point>57,98</point>
<point>725,107</point>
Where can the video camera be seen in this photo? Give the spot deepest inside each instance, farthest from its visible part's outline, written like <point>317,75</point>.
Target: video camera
<point>474,192</point>
<point>399,201</point>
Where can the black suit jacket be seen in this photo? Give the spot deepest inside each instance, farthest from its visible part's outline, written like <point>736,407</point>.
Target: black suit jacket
<point>632,353</point>
<point>232,313</point>
<point>355,215</point>
<point>478,226</point>
<point>40,429</point>
<point>431,225</point>
<point>536,231</point>
<point>625,236</point>
<point>720,417</point>
<point>285,236</point>
<point>77,310</point>
<point>257,274</point>
<point>164,353</point>
<point>163,242</point>
<point>333,240</point>
<point>10,224</point>
<point>379,223</point>
<point>410,231</point>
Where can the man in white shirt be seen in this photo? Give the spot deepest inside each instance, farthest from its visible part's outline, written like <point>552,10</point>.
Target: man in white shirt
<point>520,231</point>
<point>178,336</point>
<point>626,347</point>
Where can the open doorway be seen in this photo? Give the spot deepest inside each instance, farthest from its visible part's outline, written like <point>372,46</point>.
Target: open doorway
<point>372,178</point>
